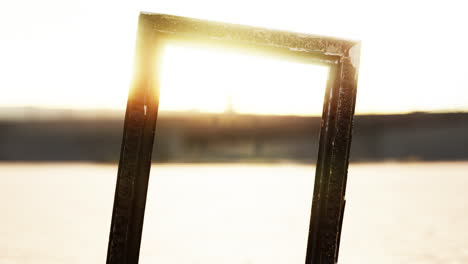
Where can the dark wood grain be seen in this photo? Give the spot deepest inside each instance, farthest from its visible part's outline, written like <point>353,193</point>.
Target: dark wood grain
<point>135,157</point>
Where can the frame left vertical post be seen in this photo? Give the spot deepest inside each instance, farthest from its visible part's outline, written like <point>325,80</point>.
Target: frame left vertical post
<point>135,155</point>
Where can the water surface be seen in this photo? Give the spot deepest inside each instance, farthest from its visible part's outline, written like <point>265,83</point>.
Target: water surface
<point>396,213</point>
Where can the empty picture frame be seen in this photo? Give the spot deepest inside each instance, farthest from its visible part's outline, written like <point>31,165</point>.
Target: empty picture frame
<point>154,31</point>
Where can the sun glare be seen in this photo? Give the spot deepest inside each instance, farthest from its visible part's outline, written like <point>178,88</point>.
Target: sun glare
<point>217,80</point>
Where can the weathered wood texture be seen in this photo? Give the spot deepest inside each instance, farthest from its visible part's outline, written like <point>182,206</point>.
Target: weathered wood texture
<point>155,30</point>
<point>135,157</point>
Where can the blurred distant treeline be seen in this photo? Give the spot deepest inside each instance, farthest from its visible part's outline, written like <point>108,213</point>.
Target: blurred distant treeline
<point>201,137</point>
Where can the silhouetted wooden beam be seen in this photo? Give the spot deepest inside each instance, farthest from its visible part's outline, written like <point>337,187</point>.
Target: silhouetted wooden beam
<point>136,150</point>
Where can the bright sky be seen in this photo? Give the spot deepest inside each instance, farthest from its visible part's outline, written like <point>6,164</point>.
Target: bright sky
<point>79,54</point>
<point>245,83</point>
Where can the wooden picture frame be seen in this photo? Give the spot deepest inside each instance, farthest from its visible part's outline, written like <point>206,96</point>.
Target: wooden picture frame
<point>342,56</point>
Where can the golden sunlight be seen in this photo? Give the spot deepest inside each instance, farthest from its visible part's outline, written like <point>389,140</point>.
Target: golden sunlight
<point>214,80</point>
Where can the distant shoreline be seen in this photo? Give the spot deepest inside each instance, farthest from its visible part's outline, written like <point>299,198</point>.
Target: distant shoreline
<point>218,138</point>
